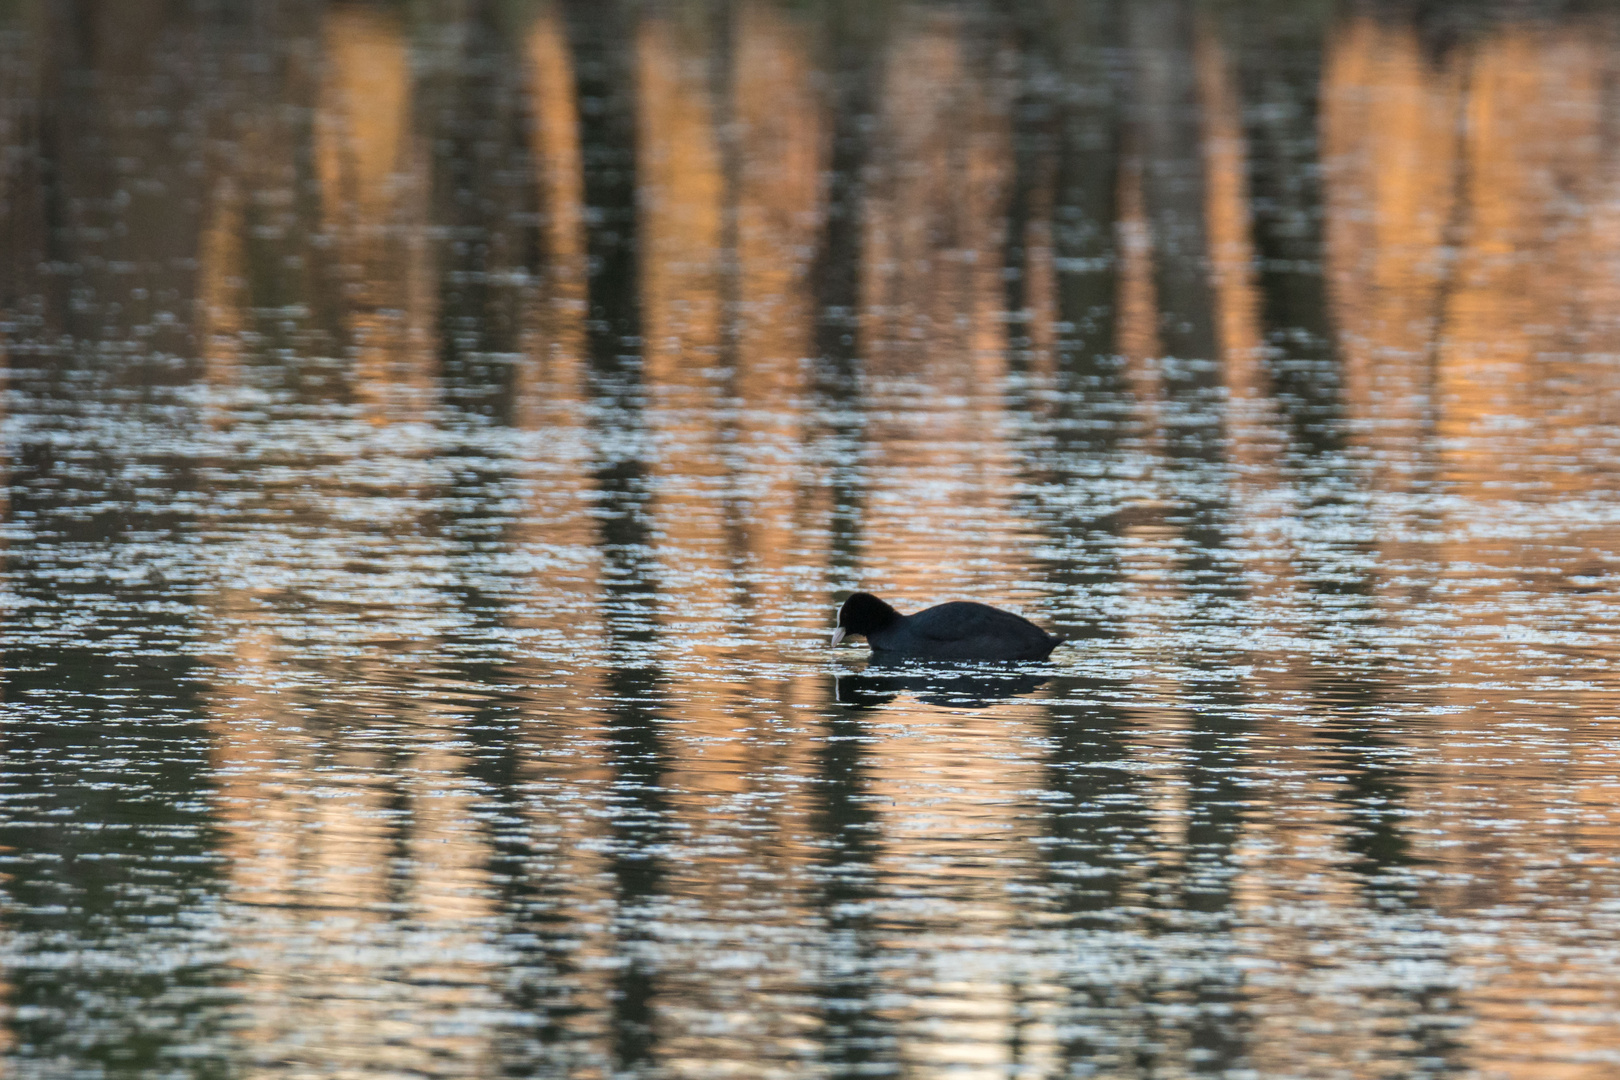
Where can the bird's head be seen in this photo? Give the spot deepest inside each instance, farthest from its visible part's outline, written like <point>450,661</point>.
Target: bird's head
<point>862,614</point>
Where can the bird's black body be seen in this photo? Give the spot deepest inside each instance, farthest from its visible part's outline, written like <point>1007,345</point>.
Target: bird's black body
<point>961,630</point>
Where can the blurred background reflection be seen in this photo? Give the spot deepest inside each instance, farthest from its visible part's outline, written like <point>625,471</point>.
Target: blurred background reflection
<point>437,433</point>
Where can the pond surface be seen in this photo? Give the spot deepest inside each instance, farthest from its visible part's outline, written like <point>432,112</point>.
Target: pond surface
<point>436,437</point>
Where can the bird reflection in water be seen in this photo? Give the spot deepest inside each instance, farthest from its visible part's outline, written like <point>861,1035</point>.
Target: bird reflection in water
<point>951,686</point>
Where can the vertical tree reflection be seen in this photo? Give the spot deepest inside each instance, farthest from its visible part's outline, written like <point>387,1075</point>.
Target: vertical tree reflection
<point>111,841</point>
<point>483,201</point>
<point>116,255</point>
<point>1169,127</point>
<point>1101,836</point>
<point>856,1041</point>
<point>1377,803</point>
<point>1067,127</point>
<point>602,37</point>
<point>813,213</point>
<point>1278,60</point>
<point>1033,116</point>
<point>1066,135</point>
<point>1085,188</point>
<point>1166,122</point>
<point>855,36</point>
<point>1215,817</point>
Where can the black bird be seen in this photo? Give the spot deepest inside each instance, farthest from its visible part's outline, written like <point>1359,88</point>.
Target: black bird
<point>961,630</point>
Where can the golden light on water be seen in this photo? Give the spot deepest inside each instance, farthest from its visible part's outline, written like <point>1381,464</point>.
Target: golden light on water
<point>438,441</point>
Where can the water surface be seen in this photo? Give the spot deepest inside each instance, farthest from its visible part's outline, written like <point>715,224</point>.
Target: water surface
<point>436,437</point>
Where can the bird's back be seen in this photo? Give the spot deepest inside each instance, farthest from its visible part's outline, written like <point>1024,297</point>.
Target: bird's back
<point>965,630</point>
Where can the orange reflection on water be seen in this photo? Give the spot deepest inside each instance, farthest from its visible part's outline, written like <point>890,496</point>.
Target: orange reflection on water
<point>349,875</point>
<point>1526,330</point>
<point>949,791</point>
<point>1250,415</point>
<point>938,518</point>
<point>551,386</point>
<point>728,205</point>
<point>1391,128</point>
<point>371,169</point>
<point>1470,251</point>
<point>1469,242</point>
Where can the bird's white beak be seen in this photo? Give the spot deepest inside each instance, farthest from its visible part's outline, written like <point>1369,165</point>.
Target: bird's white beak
<point>838,635</point>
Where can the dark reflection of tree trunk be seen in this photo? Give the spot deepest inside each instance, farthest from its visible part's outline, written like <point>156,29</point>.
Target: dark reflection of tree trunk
<point>638,760</point>
<point>1376,791</point>
<point>602,36</point>
<point>855,37</point>
<point>530,895</point>
<point>109,824</point>
<point>1279,65</point>
<point>1101,830</point>
<point>723,96</point>
<point>32,214</point>
<point>530,899</point>
<point>1215,815</point>
<point>1034,114</point>
<point>856,1040</point>
<point>484,198</point>
<point>105,218</point>
<point>294,301</point>
<point>1166,120</point>
<point>1084,215</point>
<point>1376,798</point>
<point>1065,136</point>
<point>1278,56</point>
<point>1101,822</point>
<point>1068,113</point>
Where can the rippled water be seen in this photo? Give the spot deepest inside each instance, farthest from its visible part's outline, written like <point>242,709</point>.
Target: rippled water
<point>436,437</point>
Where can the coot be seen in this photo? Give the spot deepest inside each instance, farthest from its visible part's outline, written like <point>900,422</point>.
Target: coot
<point>961,630</point>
